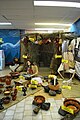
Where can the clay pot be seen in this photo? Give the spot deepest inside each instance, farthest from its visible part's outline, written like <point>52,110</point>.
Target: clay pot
<point>1,85</point>
<point>8,76</point>
<point>6,100</point>
<point>13,96</point>
<point>39,99</point>
<point>2,79</point>
<point>53,87</point>
<point>8,81</point>
<point>15,91</point>
<point>6,92</point>
<point>73,104</point>
<point>14,74</point>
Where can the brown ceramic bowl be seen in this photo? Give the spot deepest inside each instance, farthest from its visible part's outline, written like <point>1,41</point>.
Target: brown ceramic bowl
<point>14,74</point>
<point>9,88</point>
<point>39,99</point>
<point>73,104</point>
<point>54,87</point>
<point>6,100</point>
<point>8,76</point>
<point>1,85</point>
<point>2,79</point>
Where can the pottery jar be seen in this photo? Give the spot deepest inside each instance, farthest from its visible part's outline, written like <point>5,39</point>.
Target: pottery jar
<point>15,91</point>
<point>13,97</point>
<point>8,81</point>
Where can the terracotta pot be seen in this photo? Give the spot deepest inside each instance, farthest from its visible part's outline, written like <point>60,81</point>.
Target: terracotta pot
<point>1,85</point>
<point>13,97</point>
<point>15,91</point>
<point>53,87</point>
<point>2,79</point>
<point>39,99</point>
<point>8,81</point>
<point>8,76</point>
<point>72,103</point>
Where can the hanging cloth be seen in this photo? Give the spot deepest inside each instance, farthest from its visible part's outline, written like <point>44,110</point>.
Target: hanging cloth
<point>68,60</point>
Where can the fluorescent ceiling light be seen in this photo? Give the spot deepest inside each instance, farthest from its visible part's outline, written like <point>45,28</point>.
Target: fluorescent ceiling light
<point>2,23</point>
<point>57,3</point>
<point>59,24</point>
<point>49,28</point>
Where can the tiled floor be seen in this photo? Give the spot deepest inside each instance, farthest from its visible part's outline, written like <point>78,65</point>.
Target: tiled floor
<point>24,109</point>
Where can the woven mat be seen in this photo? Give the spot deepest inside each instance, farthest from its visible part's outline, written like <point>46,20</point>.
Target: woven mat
<point>21,97</point>
<point>74,92</point>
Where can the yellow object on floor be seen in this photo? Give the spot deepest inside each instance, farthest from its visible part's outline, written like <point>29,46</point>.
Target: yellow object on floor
<point>66,87</point>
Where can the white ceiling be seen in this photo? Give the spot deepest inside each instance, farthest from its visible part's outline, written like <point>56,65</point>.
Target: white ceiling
<point>22,14</point>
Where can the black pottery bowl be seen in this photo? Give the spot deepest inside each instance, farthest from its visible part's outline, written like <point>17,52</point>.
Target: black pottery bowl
<point>6,100</point>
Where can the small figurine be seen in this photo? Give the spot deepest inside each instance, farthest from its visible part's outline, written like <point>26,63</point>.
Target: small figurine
<point>24,89</point>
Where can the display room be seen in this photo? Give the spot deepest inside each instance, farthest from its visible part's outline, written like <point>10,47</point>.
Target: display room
<point>40,60</point>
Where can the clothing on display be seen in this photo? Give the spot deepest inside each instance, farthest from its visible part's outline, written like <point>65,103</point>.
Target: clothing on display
<point>77,68</point>
<point>67,65</point>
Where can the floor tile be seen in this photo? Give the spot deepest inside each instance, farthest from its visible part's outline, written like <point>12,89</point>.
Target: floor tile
<point>2,114</point>
<point>27,118</point>
<point>46,112</point>
<point>28,112</point>
<point>37,117</point>
<point>18,116</point>
<point>28,102</point>
<point>12,107</point>
<point>9,112</point>
<point>19,109</point>
<point>47,117</point>
<point>56,116</point>
<point>8,118</point>
<point>21,104</point>
<point>28,107</point>
<point>53,109</point>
